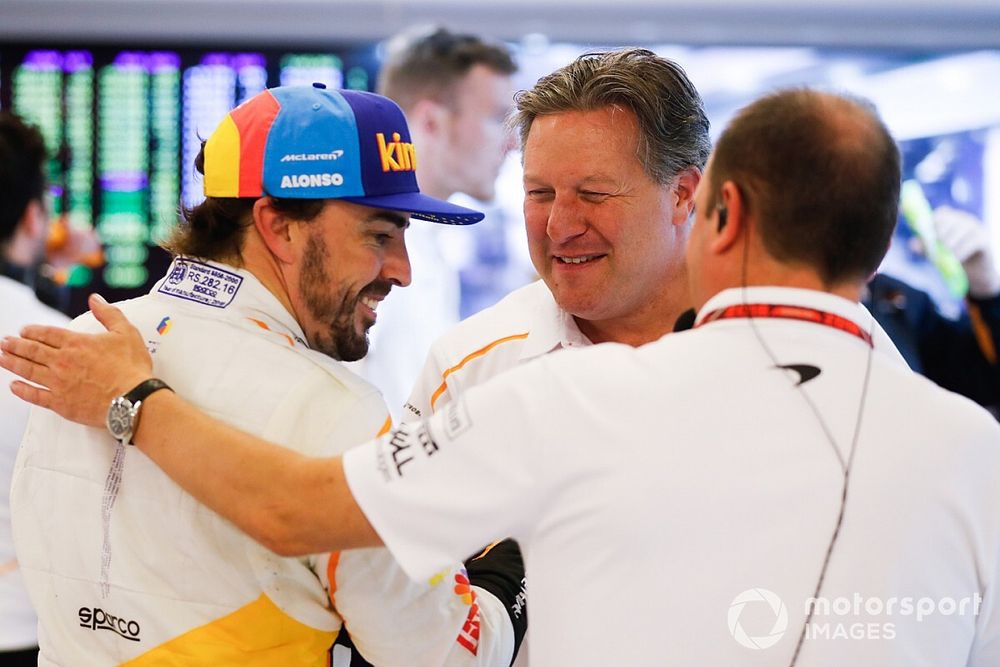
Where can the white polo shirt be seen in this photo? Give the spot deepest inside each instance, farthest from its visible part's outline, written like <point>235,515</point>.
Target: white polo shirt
<point>524,325</point>
<point>17,617</point>
<point>675,500</point>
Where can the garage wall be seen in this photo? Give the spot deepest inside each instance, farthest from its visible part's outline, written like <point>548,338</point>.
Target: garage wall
<point>878,23</point>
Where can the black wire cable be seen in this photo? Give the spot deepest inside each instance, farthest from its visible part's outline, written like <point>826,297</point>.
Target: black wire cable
<point>845,466</point>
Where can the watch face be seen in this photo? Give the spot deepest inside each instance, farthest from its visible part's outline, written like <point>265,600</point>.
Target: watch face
<point>120,419</point>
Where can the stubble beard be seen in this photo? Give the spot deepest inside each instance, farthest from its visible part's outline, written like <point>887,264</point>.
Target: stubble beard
<point>340,340</point>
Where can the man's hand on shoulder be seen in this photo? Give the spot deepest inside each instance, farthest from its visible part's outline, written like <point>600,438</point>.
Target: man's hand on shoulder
<point>74,374</point>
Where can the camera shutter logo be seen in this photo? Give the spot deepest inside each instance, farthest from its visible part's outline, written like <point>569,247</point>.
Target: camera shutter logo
<point>780,618</point>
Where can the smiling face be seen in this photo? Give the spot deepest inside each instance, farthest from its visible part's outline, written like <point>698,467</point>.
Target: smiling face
<point>353,255</point>
<point>605,237</point>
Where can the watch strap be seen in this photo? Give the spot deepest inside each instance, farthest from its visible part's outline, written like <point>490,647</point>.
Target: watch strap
<point>135,399</point>
<point>142,390</point>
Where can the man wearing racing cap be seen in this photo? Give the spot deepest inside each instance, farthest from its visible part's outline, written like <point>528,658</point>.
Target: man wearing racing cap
<point>277,278</point>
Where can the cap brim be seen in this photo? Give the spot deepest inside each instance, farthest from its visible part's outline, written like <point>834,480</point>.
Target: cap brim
<point>421,207</point>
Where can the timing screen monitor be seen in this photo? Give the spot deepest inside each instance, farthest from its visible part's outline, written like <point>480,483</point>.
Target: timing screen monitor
<point>123,127</point>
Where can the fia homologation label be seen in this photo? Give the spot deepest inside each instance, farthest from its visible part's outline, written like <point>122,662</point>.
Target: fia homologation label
<point>201,283</point>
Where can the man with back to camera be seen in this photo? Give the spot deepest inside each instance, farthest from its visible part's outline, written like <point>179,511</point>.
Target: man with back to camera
<point>278,276</point>
<point>23,225</point>
<point>766,451</point>
<point>456,91</point>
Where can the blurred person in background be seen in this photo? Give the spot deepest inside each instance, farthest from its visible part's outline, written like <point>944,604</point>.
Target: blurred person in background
<point>23,232</point>
<point>456,91</point>
<point>65,247</point>
<point>958,354</point>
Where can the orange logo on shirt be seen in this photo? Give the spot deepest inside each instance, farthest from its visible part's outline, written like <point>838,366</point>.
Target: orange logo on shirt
<point>462,588</point>
<point>469,636</point>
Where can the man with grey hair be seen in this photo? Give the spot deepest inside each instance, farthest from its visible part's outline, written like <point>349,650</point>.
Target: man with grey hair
<point>614,145</point>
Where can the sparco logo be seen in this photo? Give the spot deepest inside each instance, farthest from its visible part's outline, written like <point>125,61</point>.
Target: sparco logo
<point>310,157</point>
<point>98,619</point>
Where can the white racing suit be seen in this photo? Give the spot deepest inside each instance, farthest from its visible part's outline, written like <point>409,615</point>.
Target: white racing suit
<point>124,567</point>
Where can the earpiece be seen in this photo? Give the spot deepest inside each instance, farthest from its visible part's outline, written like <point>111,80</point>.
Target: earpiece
<point>723,217</point>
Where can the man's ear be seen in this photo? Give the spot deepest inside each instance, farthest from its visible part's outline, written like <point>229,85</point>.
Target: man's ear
<point>32,223</point>
<point>427,117</point>
<point>275,230</point>
<point>27,245</point>
<point>730,218</point>
<point>686,184</point>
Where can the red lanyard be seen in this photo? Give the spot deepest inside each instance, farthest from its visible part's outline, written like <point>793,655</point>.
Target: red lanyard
<point>767,310</point>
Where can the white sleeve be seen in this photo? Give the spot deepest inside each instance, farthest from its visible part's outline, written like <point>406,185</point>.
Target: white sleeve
<point>436,491</point>
<point>490,629</point>
<point>394,620</point>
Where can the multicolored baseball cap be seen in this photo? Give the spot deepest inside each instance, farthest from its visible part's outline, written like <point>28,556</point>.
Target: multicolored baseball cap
<point>301,142</point>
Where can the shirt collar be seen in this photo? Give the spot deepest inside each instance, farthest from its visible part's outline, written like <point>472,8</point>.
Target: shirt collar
<point>552,328</point>
<point>789,296</point>
<point>252,302</point>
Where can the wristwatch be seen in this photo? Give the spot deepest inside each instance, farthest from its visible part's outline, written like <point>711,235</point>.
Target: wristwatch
<point>123,413</point>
